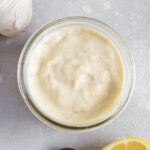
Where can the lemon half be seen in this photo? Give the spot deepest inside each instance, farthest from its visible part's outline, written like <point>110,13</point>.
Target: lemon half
<point>129,143</point>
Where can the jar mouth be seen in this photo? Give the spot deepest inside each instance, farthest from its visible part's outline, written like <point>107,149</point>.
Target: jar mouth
<point>115,39</point>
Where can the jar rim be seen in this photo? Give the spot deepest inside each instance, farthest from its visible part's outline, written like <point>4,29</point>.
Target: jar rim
<point>24,92</point>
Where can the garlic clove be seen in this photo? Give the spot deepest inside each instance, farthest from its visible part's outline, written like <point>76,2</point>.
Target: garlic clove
<point>15,15</point>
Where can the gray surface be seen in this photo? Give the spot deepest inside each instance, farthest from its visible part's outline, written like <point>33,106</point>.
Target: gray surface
<point>20,130</point>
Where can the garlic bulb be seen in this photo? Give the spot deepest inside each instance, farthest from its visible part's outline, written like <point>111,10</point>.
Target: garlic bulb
<point>15,15</point>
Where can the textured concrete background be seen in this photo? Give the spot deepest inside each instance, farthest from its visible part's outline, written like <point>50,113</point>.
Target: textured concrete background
<point>20,130</point>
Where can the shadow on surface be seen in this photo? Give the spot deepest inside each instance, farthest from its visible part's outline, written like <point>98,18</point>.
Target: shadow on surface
<point>96,145</point>
<point>11,101</point>
<point>2,37</point>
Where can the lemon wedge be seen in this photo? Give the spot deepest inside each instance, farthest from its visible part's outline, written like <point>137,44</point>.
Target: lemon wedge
<point>129,143</point>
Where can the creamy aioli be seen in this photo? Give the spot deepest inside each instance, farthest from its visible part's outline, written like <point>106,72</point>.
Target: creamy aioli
<point>75,75</point>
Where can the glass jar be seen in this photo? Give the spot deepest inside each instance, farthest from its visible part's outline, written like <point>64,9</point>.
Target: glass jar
<point>101,28</point>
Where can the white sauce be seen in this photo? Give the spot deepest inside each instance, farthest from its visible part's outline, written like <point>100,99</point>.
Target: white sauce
<point>75,75</point>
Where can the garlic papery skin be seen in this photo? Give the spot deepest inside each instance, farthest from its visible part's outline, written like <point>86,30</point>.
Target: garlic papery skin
<point>15,15</point>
